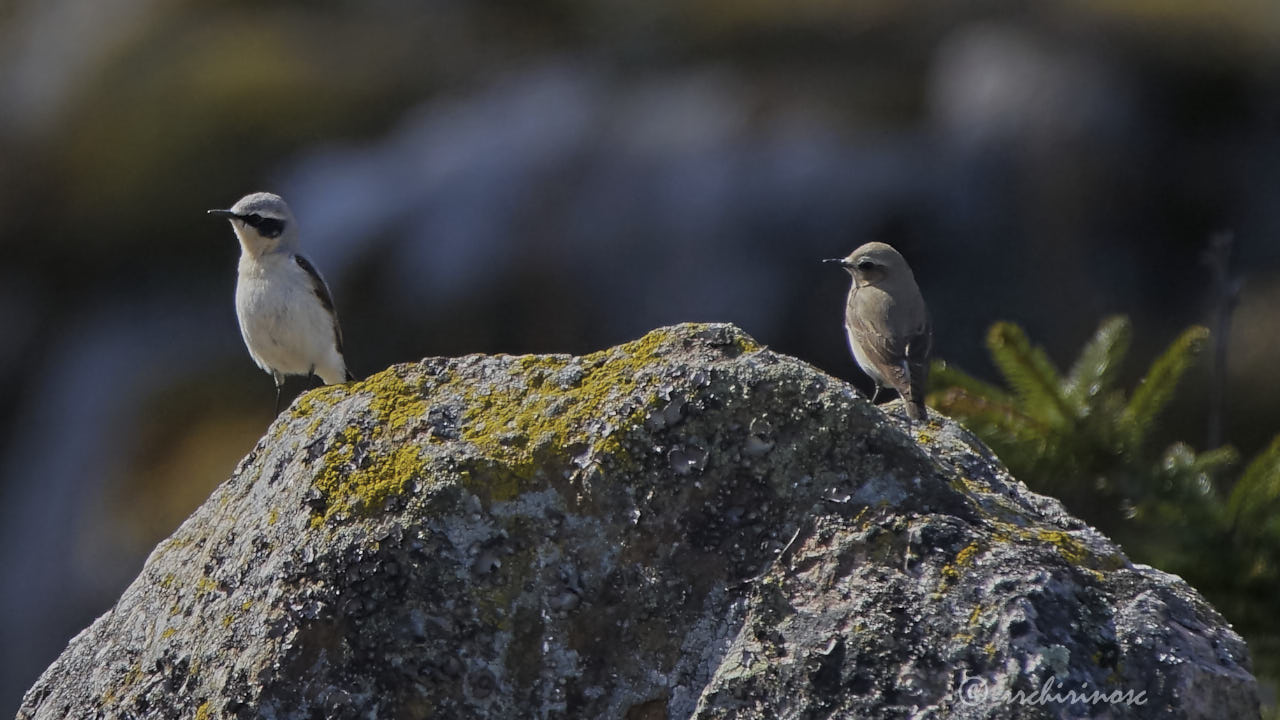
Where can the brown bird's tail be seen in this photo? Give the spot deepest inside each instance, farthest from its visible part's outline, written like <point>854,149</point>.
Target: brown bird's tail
<point>918,372</point>
<point>915,407</point>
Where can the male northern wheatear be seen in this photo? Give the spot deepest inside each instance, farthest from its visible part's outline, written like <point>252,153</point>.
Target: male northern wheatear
<point>285,310</point>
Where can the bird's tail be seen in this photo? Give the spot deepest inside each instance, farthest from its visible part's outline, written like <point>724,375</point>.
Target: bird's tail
<point>334,373</point>
<point>918,379</point>
<point>915,407</point>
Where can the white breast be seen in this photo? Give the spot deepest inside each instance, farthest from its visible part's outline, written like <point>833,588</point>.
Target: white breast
<point>864,361</point>
<point>285,327</point>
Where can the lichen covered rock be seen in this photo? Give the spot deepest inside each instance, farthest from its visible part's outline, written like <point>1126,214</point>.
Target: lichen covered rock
<point>687,525</point>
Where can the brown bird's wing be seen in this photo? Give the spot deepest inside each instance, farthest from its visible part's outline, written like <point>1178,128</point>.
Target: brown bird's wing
<point>903,362</point>
<point>321,289</point>
<point>881,349</point>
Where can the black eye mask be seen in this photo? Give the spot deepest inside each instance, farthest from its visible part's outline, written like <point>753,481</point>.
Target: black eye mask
<point>266,227</point>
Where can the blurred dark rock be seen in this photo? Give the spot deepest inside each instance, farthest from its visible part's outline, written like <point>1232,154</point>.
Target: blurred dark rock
<point>688,525</point>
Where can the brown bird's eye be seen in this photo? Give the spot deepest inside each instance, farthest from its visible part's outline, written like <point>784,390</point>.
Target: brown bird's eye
<point>865,265</point>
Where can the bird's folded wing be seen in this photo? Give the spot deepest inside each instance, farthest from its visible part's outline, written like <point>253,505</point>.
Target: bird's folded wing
<point>887,354</point>
<point>918,348</point>
<point>321,289</point>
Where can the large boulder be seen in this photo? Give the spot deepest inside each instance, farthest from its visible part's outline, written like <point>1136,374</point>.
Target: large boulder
<point>688,525</point>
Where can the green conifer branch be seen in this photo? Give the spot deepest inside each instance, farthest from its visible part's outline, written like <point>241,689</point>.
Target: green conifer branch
<point>1029,372</point>
<point>944,376</point>
<point>1157,389</point>
<point>1256,497</point>
<point>1094,372</point>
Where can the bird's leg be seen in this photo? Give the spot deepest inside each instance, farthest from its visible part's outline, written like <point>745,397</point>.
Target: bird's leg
<point>315,378</point>
<point>279,384</point>
<point>875,394</point>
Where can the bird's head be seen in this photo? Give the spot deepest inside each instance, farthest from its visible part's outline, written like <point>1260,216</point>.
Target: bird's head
<point>262,221</point>
<point>875,263</point>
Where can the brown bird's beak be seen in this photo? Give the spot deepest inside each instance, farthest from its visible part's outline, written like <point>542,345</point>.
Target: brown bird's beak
<point>839,261</point>
<point>224,213</point>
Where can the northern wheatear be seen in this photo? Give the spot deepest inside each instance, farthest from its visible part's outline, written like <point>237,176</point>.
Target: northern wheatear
<point>888,324</point>
<point>285,309</point>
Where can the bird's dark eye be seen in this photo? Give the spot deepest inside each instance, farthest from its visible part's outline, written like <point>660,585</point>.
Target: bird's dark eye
<point>270,227</point>
<point>865,265</point>
<point>253,219</point>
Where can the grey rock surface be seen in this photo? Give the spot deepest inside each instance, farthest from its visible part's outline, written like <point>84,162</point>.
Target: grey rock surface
<point>685,526</point>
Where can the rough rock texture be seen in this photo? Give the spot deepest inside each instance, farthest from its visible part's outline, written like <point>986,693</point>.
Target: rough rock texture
<point>687,525</point>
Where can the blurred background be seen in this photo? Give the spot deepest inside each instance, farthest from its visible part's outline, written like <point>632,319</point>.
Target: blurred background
<point>560,176</point>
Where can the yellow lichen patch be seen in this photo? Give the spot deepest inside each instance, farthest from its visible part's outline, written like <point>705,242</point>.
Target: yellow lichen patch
<point>368,487</point>
<point>308,402</point>
<point>524,427</point>
<point>227,620</point>
<point>168,633</point>
<point>1078,554</point>
<point>970,489</point>
<point>964,558</point>
<point>977,613</point>
<point>131,678</point>
<point>395,402</point>
<point>175,543</point>
<point>1073,550</point>
<point>543,410</point>
<point>303,406</point>
<point>313,403</point>
<point>202,712</point>
<point>205,585</point>
<point>273,516</point>
<point>1068,546</point>
<point>986,500</point>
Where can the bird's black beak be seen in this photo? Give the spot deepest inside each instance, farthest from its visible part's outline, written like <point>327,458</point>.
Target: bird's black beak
<point>840,261</point>
<point>224,213</point>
